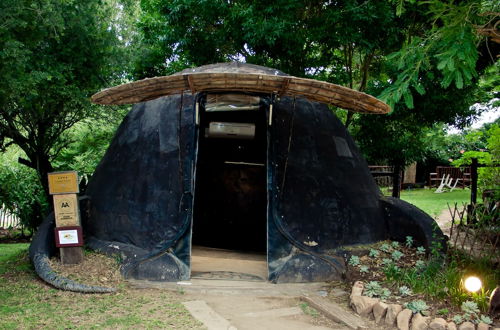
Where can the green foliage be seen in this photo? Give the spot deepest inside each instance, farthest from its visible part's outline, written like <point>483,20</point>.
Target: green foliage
<point>488,177</point>
<point>436,48</point>
<point>364,269</point>
<point>53,56</point>
<point>442,280</point>
<point>87,142</point>
<point>20,191</point>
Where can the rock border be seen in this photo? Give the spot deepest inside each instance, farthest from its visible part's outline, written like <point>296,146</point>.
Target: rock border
<point>394,316</point>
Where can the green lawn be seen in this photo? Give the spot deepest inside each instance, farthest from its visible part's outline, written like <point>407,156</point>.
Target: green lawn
<point>432,203</point>
<point>28,303</point>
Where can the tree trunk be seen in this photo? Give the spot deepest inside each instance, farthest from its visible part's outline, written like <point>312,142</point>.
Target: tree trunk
<point>39,161</point>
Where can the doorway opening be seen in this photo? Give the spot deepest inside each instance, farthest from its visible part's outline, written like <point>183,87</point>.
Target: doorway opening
<point>230,208</point>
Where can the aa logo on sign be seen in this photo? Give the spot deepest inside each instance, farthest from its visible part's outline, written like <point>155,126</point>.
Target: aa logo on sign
<point>65,204</point>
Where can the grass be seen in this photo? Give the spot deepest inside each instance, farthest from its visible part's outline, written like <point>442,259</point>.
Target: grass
<point>28,303</point>
<point>432,203</point>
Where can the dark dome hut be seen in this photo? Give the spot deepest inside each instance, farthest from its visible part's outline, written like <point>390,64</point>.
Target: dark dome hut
<point>240,157</point>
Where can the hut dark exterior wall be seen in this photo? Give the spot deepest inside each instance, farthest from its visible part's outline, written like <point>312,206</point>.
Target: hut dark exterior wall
<point>141,193</point>
<point>321,194</point>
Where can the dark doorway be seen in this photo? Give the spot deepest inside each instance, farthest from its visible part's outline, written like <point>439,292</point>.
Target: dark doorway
<point>230,205</point>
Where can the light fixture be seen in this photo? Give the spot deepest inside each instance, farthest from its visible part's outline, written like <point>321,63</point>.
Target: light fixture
<point>472,284</point>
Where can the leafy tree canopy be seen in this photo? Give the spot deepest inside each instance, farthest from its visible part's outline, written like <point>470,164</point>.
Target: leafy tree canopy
<point>53,56</point>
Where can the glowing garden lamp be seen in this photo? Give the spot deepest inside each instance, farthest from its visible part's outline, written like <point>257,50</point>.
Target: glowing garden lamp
<point>472,284</point>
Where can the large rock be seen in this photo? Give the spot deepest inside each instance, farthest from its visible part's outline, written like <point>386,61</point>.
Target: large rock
<point>363,305</point>
<point>392,312</point>
<point>466,326</point>
<point>403,319</point>
<point>438,324</point>
<point>451,326</point>
<point>357,289</point>
<point>379,311</point>
<point>482,326</point>
<point>419,322</point>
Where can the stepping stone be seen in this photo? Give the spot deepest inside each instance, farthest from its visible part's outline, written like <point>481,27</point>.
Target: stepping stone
<point>206,315</point>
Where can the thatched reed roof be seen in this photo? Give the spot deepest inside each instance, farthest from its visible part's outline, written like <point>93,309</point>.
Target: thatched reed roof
<point>244,78</point>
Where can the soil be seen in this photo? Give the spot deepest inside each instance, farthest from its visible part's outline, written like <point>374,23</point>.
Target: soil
<point>96,269</point>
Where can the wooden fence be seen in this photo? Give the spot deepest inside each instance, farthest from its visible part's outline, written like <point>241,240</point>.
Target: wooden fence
<point>475,231</point>
<point>8,220</point>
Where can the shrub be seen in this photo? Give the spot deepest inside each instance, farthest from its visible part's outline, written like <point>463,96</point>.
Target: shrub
<point>20,191</point>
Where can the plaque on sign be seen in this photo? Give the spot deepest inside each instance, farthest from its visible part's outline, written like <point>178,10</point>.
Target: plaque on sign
<point>66,210</point>
<point>69,236</point>
<point>63,182</point>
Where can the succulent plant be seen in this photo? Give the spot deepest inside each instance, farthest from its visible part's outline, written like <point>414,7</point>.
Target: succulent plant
<point>395,244</point>
<point>405,291</point>
<point>420,250</point>
<point>385,294</point>
<point>420,264</point>
<point>363,269</point>
<point>409,241</point>
<point>417,306</point>
<point>386,261</point>
<point>372,289</point>
<point>469,307</point>
<point>457,319</point>
<point>396,255</point>
<point>485,319</point>
<point>354,261</point>
<point>374,253</point>
<point>385,247</point>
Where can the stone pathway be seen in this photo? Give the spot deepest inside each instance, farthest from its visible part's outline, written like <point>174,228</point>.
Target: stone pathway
<point>239,304</point>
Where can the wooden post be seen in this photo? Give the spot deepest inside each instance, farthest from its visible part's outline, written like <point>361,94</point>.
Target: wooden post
<point>396,181</point>
<point>63,186</point>
<point>473,174</point>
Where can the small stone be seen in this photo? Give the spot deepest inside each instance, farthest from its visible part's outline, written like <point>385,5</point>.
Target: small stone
<point>419,322</point>
<point>392,312</point>
<point>467,326</point>
<point>363,305</point>
<point>357,289</point>
<point>379,310</point>
<point>403,319</point>
<point>482,326</point>
<point>451,326</point>
<point>438,324</point>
